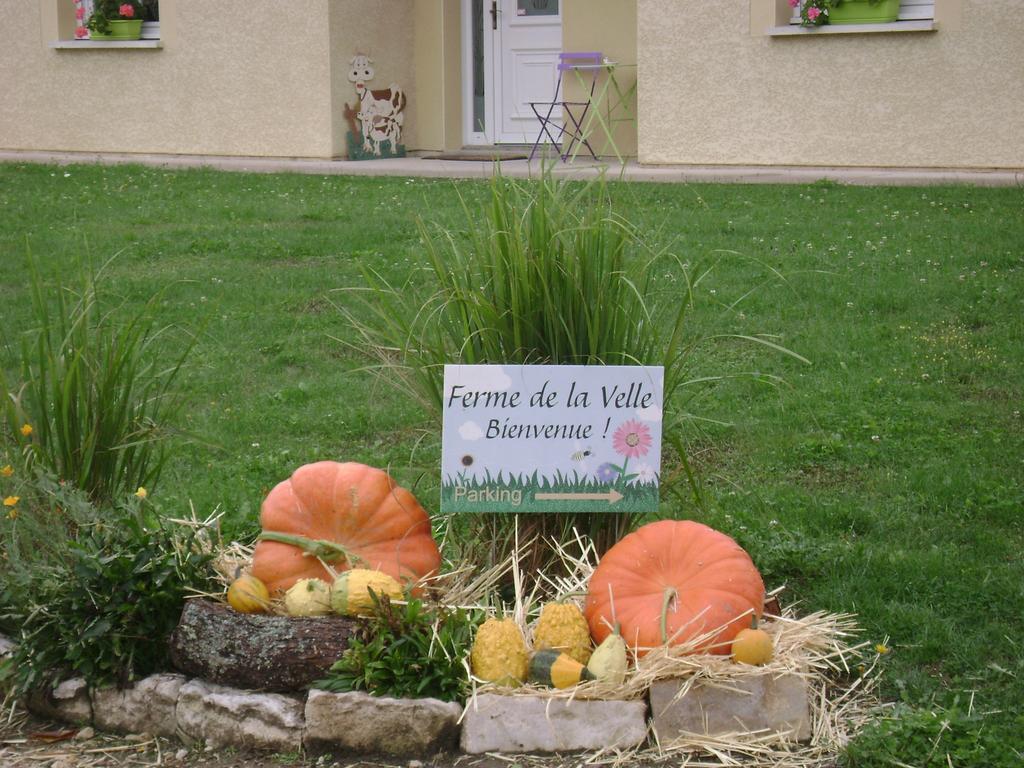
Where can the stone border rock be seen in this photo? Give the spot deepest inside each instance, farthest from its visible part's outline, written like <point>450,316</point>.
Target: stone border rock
<point>360,724</point>
<point>344,723</point>
<point>198,711</point>
<point>6,647</point>
<point>510,724</point>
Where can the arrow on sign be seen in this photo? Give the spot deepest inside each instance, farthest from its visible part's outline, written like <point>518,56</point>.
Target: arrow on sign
<point>611,496</point>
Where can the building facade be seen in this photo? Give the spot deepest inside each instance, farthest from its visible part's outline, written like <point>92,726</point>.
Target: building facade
<point>733,82</point>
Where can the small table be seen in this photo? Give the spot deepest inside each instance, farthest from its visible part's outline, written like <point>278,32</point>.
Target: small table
<point>609,98</point>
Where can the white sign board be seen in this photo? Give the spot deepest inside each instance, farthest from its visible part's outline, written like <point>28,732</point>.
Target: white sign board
<point>551,438</point>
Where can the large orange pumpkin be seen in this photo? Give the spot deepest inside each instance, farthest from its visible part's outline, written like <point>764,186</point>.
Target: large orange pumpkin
<point>349,515</point>
<point>673,581</point>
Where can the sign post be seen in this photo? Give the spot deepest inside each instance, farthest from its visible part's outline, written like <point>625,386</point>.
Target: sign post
<point>551,438</point>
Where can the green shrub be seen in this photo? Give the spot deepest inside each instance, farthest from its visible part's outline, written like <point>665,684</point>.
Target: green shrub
<point>408,651</point>
<point>102,599</point>
<point>94,401</point>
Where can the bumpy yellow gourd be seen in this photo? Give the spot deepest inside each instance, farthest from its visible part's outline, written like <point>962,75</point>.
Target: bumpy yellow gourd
<point>247,594</point>
<point>350,593</point>
<point>609,662</point>
<point>308,597</point>
<point>562,627</point>
<point>499,653</point>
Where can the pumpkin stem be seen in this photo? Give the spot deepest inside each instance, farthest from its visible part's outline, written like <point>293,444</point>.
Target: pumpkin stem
<point>670,595</point>
<point>328,551</point>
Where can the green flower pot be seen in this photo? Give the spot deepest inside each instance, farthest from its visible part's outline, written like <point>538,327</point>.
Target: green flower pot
<point>120,29</point>
<point>864,12</point>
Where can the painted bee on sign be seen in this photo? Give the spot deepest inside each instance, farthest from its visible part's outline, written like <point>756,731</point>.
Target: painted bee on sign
<point>581,454</point>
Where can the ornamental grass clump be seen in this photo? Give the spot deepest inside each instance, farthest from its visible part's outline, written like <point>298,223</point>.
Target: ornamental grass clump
<point>93,402</point>
<point>546,273</point>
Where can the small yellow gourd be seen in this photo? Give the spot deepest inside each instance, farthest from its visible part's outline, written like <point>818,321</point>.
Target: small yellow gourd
<point>350,593</point>
<point>609,662</point>
<point>247,594</point>
<point>752,646</point>
<point>308,597</point>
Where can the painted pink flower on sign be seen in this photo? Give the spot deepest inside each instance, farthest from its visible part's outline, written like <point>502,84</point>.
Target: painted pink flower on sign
<point>127,11</point>
<point>632,439</point>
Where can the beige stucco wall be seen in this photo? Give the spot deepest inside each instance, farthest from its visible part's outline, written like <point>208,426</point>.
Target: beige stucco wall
<point>259,77</point>
<point>714,89</point>
<point>608,26</point>
<point>437,65</point>
<point>251,79</point>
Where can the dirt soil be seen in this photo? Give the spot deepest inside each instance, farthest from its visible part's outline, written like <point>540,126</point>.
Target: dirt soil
<point>26,740</point>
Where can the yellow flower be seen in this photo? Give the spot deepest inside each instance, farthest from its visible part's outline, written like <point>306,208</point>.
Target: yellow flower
<point>6,471</point>
<point>141,493</point>
<point>882,649</point>
<point>12,515</point>
<point>26,429</point>
<point>10,501</point>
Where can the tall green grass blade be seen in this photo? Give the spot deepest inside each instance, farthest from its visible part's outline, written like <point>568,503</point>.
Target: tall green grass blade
<point>94,391</point>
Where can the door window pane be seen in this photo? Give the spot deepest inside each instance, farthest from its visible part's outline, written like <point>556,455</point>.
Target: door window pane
<point>536,7</point>
<point>479,124</point>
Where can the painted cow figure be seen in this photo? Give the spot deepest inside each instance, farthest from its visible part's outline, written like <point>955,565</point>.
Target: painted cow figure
<point>380,112</point>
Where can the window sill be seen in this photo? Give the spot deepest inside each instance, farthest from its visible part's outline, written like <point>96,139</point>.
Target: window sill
<point>83,45</point>
<point>795,30</point>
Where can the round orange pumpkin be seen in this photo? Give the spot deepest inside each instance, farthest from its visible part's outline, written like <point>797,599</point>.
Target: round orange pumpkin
<point>673,581</point>
<point>349,515</point>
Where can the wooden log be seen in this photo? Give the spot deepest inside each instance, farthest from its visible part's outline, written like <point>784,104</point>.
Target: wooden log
<point>257,651</point>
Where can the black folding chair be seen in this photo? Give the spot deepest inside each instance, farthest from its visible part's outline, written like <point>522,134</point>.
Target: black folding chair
<point>573,113</point>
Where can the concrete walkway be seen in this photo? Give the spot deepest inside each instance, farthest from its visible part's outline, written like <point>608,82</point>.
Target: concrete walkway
<point>472,169</point>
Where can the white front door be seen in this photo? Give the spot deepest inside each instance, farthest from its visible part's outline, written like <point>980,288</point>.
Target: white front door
<point>511,54</point>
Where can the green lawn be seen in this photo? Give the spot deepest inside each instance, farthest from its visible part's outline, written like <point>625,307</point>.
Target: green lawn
<point>885,479</point>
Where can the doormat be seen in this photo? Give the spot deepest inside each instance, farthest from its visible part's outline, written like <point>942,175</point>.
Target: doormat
<point>478,155</point>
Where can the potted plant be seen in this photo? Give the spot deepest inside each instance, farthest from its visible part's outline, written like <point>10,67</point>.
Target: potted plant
<point>150,19</point>
<point>814,13</point>
<point>115,20</point>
